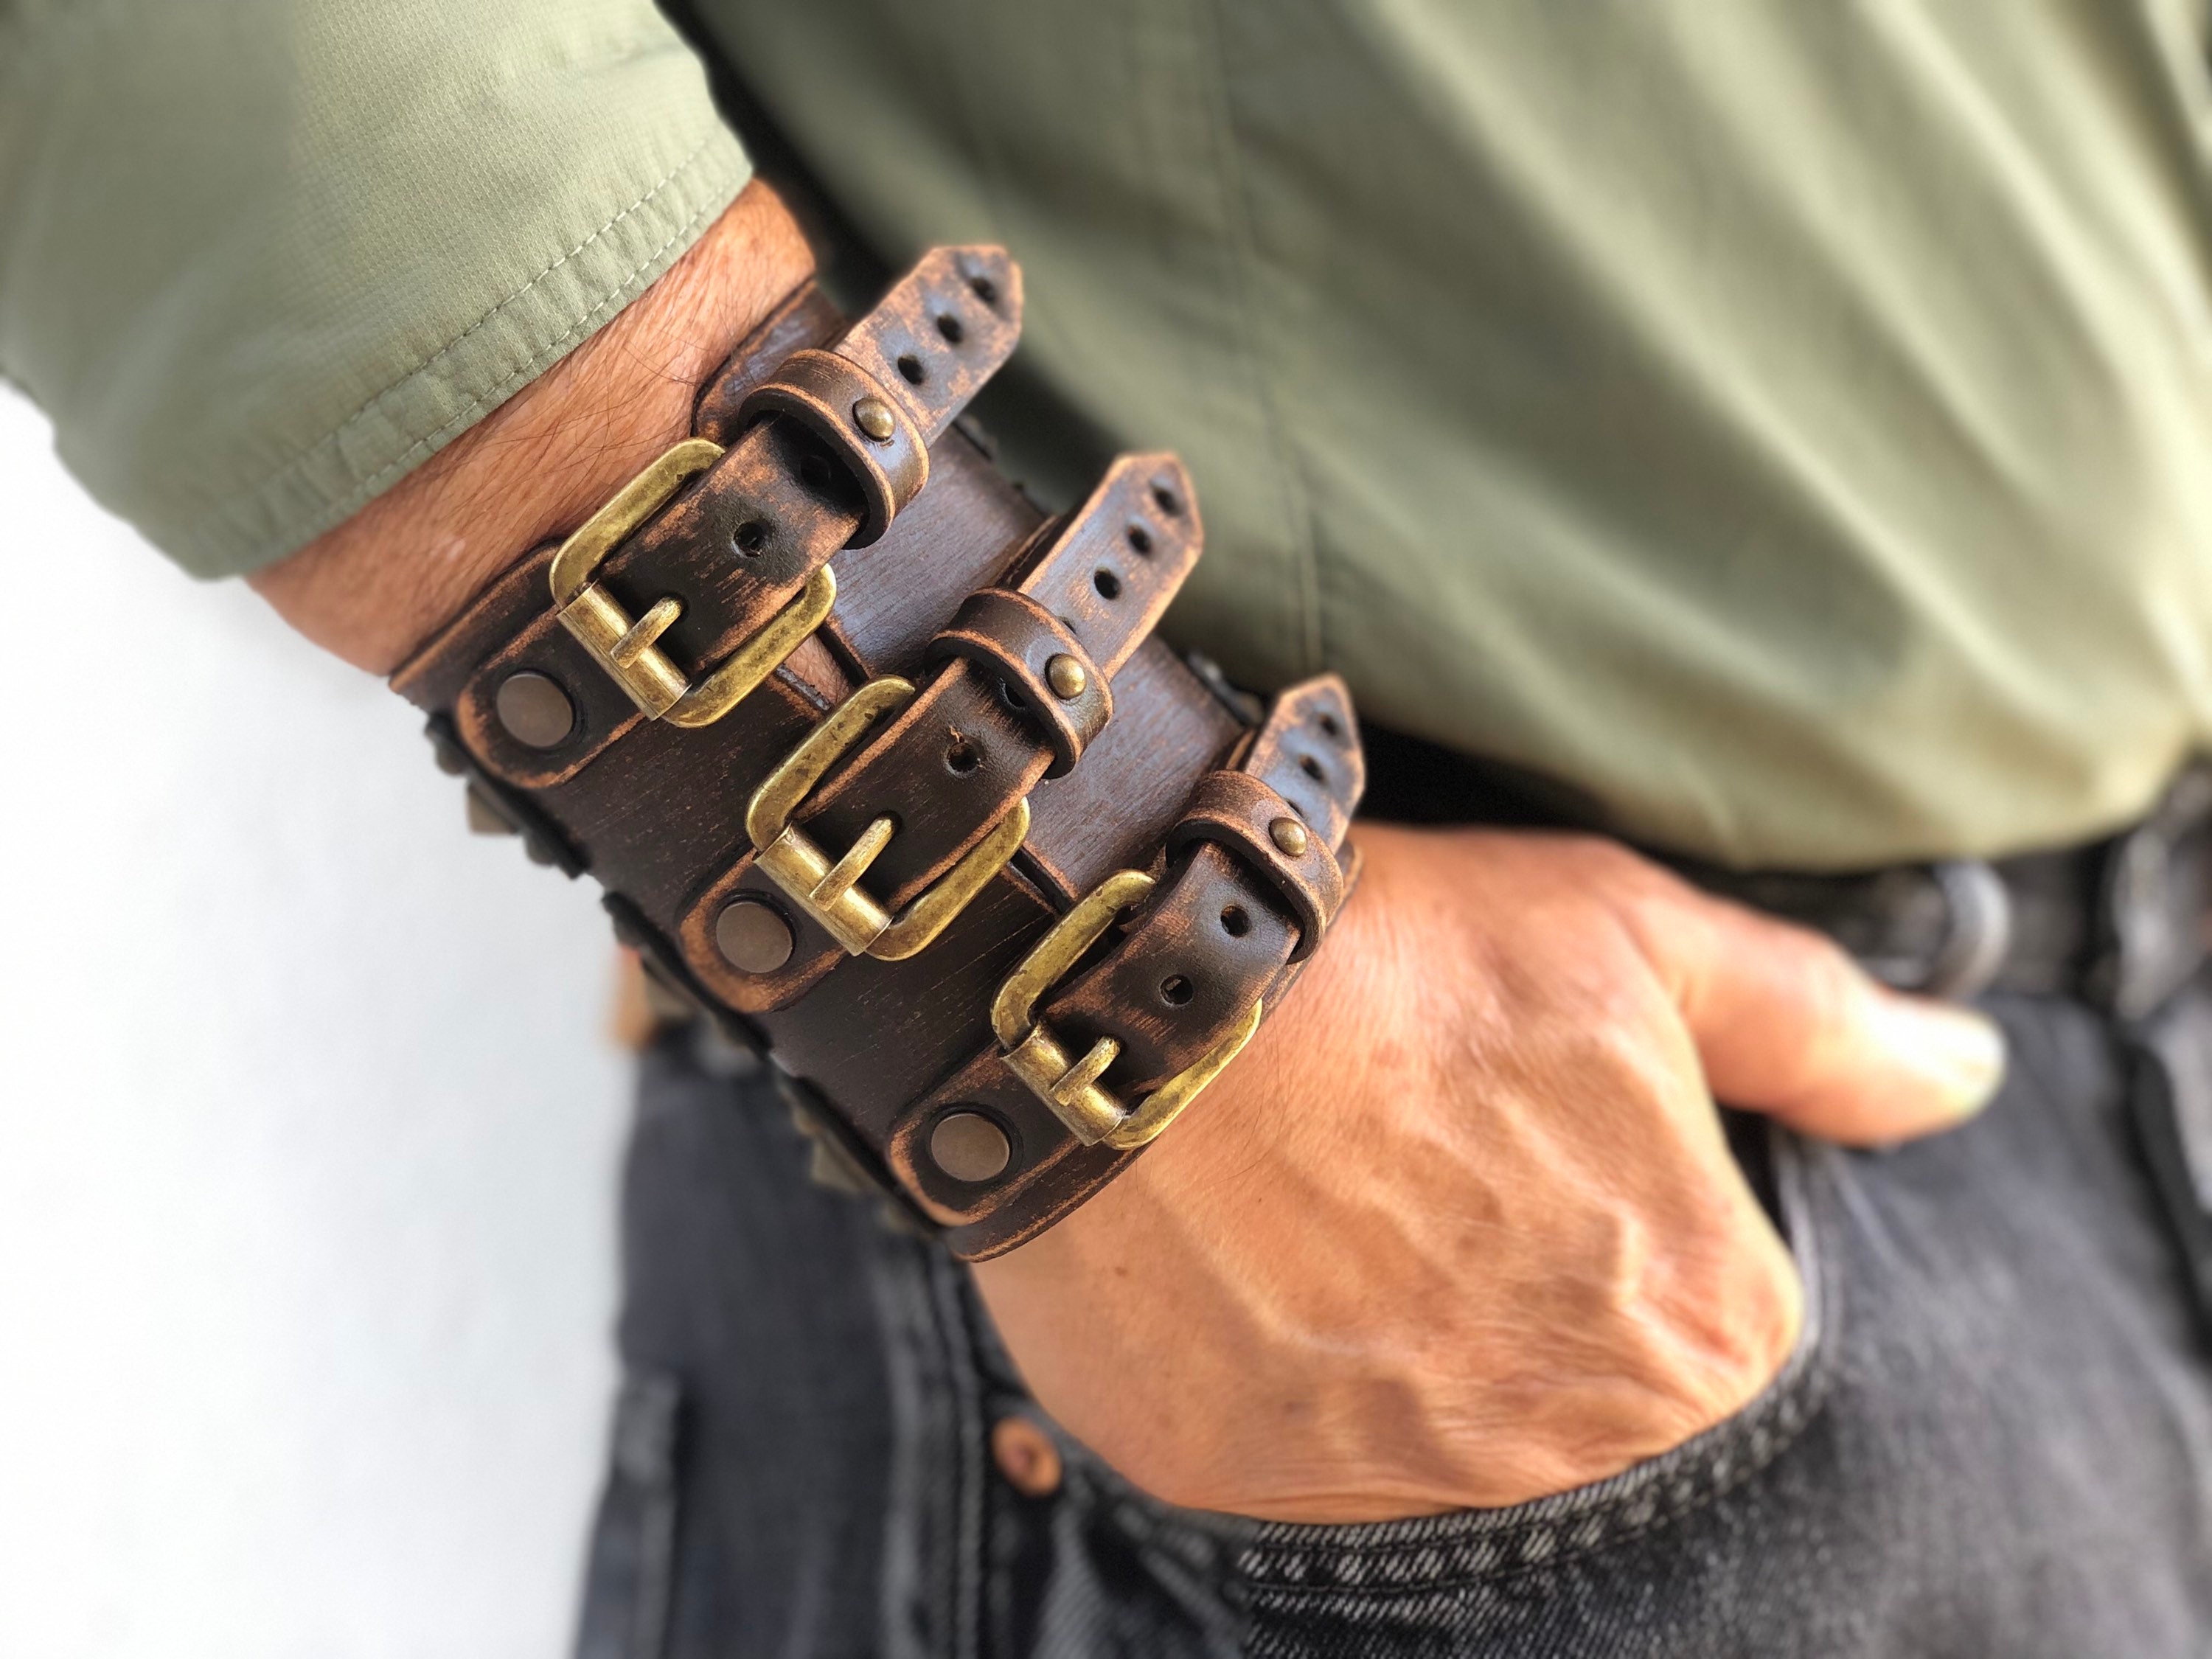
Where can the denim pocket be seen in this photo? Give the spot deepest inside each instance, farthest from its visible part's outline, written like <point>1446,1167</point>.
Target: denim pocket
<point>1299,1573</point>
<point>630,1579</point>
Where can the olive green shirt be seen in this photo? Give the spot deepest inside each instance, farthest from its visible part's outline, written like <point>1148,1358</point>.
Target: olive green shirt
<point>1789,422</point>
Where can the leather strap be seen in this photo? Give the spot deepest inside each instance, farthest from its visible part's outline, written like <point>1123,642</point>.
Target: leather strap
<point>971,748</point>
<point>1038,663</point>
<point>740,543</point>
<point>893,383</point>
<point>1213,940</point>
<point>828,625</point>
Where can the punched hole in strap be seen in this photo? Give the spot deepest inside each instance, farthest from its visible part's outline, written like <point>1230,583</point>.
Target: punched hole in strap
<point>1270,836</point>
<point>827,885</point>
<point>1036,663</point>
<point>629,647</point>
<point>868,428</point>
<point>1071,1084</point>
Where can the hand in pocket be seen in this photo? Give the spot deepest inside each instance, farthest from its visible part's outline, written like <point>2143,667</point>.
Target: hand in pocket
<point>1459,1228</point>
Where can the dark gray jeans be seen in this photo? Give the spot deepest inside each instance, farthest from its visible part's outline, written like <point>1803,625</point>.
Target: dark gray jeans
<point>1995,1439</point>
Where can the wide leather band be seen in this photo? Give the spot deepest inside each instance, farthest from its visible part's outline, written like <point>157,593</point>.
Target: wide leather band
<point>886,772</point>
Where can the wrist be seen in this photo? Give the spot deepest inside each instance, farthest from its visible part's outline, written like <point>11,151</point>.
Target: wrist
<point>376,586</point>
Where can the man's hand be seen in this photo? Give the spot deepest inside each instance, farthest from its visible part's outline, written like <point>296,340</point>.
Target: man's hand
<point>1459,1227</point>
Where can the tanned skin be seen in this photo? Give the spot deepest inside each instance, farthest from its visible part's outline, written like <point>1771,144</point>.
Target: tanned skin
<point>1459,1228</point>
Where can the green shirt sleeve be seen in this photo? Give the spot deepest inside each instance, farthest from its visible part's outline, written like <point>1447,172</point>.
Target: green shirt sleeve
<point>260,258</point>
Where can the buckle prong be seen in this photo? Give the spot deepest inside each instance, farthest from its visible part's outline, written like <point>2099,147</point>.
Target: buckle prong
<point>645,630</point>
<point>854,865</point>
<point>1094,1114</point>
<point>627,647</point>
<point>830,890</point>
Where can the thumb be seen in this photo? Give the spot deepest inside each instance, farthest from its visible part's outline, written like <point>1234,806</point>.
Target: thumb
<point>1786,1024</point>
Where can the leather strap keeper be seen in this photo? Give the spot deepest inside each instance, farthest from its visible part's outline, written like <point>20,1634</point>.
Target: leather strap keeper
<point>1039,658</point>
<point>887,774</point>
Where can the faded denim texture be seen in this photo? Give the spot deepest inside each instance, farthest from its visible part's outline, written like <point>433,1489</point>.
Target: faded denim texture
<point>1995,1438</point>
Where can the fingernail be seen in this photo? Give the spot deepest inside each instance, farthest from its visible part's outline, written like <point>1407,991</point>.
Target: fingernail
<point>1959,1051</point>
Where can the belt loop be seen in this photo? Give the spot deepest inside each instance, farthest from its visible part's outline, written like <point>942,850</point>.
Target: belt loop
<point>2169,1093</point>
<point>2153,893</point>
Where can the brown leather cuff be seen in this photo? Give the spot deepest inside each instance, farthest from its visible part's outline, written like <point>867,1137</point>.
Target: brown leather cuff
<point>887,774</point>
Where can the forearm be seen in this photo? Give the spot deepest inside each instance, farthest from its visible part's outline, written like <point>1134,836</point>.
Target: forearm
<point>377,585</point>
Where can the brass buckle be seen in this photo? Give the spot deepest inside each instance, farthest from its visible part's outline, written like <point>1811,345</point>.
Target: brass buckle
<point>830,890</point>
<point>625,644</point>
<point>1093,1114</point>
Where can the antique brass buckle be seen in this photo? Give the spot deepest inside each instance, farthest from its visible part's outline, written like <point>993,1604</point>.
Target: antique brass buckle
<point>625,644</point>
<point>1093,1114</point>
<point>828,891</point>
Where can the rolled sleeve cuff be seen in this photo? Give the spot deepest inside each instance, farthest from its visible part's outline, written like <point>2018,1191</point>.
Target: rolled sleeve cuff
<point>378,227</point>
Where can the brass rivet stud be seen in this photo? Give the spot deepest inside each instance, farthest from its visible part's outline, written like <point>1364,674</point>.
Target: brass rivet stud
<point>1065,677</point>
<point>1025,1457</point>
<point>970,1147</point>
<point>1290,835</point>
<point>874,417</point>
<point>535,713</point>
<point>752,937</point>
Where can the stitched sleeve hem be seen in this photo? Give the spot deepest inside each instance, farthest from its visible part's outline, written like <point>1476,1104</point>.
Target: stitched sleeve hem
<point>546,316</point>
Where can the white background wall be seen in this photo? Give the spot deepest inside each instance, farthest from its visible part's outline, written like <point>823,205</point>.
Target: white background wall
<point>307,1137</point>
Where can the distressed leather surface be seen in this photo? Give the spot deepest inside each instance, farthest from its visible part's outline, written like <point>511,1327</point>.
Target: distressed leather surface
<point>964,588</point>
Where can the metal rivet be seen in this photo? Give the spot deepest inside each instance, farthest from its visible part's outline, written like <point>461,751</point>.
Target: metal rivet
<point>535,713</point>
<point>968,1146</point>
<point>874,417</point>
<point>1025,1457</point>
<point>1065,677</point>
<point>752,937</point>
<point>1290,835</point>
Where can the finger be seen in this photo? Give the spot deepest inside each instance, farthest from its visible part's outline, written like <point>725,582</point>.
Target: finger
<point>1788,1025</point>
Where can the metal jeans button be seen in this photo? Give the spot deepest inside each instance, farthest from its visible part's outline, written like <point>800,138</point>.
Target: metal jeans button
<point>1025,1457</point>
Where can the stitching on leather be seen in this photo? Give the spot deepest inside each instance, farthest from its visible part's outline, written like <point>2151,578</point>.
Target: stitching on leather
<point>1411,1564</point>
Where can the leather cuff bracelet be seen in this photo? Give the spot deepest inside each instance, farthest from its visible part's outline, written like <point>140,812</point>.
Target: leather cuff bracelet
<point>886,772</point>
